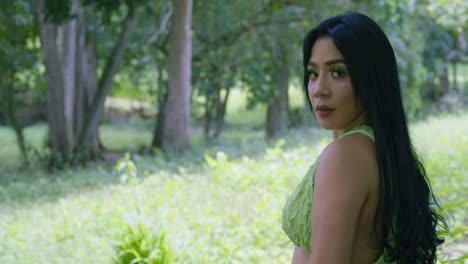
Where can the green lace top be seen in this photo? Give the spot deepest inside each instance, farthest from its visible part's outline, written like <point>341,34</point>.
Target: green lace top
<point>297,212</point>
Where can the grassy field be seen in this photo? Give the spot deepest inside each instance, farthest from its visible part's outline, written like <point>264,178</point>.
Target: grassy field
<point>219,203</point>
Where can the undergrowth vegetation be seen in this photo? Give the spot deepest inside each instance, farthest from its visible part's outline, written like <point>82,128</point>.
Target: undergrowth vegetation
<point>217,203</point>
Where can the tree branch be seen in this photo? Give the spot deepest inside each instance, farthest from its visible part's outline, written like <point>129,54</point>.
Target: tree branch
<point>163,25</point>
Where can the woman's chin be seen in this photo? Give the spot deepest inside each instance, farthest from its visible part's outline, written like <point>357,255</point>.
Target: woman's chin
<point>326,125</point>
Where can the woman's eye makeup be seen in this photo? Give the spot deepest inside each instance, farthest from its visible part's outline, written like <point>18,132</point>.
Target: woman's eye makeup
<point>334,71</point>
<point>338,71</point>
<point>312,73</point>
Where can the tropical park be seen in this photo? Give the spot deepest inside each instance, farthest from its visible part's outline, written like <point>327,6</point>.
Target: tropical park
<point>172,131</point>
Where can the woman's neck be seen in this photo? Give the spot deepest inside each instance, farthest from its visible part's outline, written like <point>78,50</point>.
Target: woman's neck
<point>362,119</point>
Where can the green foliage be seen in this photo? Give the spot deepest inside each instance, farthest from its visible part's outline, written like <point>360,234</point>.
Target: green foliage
<point>19,49</point>
<point>127,170</point>
<point>420,46</point>
<point>398,21</point>
<point>57,11</point>
<point>267,53</point>
<point>222,203</point>
<point>450,14</point>
<point>60,11</point>
<point>21,84</point>
<point>240,44</point>
<point>446,164</point>
<point>140,244</point>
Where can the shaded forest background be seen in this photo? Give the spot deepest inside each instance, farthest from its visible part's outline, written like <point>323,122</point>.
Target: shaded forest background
<point>177,63</point>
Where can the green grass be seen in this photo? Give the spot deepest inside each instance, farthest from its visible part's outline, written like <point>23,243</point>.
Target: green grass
<point>238,114</point>
<point>443,146</point>
<point>9,153</point>
<point>218,203</point>
<point>462,73</point>
<point>118,136</point>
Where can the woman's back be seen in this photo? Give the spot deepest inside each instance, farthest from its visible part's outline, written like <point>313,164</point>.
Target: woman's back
<point>358,147</point>
<point>366,247</point>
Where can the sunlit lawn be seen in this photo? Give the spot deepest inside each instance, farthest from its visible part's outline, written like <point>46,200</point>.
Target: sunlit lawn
<point>225,208</point>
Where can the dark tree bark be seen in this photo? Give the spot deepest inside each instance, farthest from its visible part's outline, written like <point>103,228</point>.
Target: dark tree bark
<point>277,111</point>
<point>209,103</point>
<point>216,102</point>
<point>454,86</point>
<point>215,112</point>
<point>176,122</point>
<point>444,81</point>
<point>162,100</point>
<point>221,112</point>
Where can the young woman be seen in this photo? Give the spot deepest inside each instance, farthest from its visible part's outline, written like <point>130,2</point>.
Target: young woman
<point>366,199</point>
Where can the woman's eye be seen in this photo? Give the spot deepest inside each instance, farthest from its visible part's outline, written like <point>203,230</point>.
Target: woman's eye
<point>338,73</point>
<point>313,74</point>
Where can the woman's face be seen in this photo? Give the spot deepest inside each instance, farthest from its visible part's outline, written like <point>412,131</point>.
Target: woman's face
<point>330,90</point>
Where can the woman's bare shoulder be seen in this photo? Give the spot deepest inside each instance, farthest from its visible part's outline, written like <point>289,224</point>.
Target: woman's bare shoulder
<point>351,159</point>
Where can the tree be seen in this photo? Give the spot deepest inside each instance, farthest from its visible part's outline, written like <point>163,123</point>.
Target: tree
<point>219,31</point>
<point>161,57</point>
<point>176,122</point>
<point>18,55</point>
<point>228,42</point>
<point>59,45</point>
<point>75,94</point>
<point>94,113</point>
<point>420,46</point>
<point>277,111</point>
<point>452,16</point>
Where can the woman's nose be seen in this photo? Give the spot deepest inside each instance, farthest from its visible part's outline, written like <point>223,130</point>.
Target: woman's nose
<point>320,87</point>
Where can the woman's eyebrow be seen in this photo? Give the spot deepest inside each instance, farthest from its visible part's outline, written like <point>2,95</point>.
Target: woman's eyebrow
<point>328,63</point>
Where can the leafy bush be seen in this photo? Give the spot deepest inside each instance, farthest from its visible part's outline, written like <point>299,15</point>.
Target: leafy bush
<point>139,244</point>
<point>127,170</point>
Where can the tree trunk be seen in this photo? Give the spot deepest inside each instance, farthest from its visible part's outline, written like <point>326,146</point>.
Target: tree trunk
<point>86,86</point>
<point>221,113</point>
<point>208,116</point>
<point>75,101</point>
<point>176,134</point>
<point>455,86</point>
<point>162,100</point>
<point>94,113</point>
<point>444,81</point>
<point>277,111</point>
<point>59,45</point>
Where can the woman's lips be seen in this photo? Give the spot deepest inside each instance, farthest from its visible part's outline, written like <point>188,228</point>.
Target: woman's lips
<point>324,111</point>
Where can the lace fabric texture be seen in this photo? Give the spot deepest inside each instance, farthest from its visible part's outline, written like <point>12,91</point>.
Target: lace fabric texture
<point>297,212</point>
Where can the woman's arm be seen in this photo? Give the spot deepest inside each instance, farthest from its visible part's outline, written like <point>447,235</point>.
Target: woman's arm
<point>340,191</point>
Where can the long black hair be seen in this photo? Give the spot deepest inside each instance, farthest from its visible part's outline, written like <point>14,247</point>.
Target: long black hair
<point>406,202</point>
